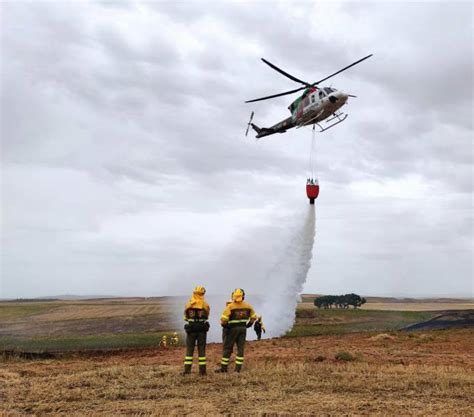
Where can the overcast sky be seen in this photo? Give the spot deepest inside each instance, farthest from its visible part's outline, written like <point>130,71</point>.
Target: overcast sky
<point>125,169</point>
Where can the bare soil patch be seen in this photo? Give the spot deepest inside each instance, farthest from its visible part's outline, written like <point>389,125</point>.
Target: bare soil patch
<point>448,320</point>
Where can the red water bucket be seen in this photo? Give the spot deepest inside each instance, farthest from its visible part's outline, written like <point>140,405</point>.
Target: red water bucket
<point>312,191</point>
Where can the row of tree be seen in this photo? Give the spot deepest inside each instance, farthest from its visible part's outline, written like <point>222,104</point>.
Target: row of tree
<point>339,301</point>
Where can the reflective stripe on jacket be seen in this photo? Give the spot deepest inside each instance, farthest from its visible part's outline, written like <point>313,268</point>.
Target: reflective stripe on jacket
<point>238,314</point>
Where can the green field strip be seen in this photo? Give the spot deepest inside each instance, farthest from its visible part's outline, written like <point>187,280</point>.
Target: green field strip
<point>100,341</point>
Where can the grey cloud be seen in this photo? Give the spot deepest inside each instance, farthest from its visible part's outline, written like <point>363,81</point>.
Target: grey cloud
<point>110,118</point>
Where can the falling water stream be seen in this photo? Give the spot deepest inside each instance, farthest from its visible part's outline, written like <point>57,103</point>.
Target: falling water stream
<point>287,277</point>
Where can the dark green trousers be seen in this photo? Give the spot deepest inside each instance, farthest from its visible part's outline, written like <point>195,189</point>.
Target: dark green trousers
<point>193,339</point>
<point>234,336</point>
<point>225,331</point>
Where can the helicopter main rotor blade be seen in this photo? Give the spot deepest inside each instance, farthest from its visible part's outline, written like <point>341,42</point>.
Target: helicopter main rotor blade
<point>291,77</point>
<point>332,75</point>
<point>276,95</point>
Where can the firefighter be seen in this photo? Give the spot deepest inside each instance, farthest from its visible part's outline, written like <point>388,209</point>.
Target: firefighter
<point>196,314</point>
<point>258,327</point>
<point>174,340</point>
<point>236,318</point>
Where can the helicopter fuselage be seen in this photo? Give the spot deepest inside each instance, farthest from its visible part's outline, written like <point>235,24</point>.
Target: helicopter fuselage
<point>316,104</point>
<point>312,107</point>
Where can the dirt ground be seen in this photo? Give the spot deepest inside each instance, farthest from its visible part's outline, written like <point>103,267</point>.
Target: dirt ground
<point>398,373</point>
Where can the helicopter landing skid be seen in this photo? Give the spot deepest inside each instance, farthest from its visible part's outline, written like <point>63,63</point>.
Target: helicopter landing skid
<point>339,117</point>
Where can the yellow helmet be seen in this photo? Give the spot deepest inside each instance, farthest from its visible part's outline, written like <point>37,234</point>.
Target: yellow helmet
<point>199,290</point>
<point>238,294</point>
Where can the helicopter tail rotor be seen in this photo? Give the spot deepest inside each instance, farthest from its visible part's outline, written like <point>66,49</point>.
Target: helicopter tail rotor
<point>249,123</point>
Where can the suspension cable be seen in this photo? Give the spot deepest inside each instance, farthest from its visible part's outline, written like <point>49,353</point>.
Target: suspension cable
<point>312,155</point>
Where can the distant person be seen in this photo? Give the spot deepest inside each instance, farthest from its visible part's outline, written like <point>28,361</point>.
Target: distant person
<point>258,326</point>
<point>196,315</point>
<point>236,318</point>
<point>174,340</point>
<point>164,341</point>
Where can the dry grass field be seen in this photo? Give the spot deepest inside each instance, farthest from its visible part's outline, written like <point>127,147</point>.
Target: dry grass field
<point>351,362</point>
<point>390,374</point>
<point>420,306</point>
<point>98,324</point>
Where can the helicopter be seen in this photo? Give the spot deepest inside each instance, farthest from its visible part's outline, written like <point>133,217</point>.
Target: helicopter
<point>315,105</point>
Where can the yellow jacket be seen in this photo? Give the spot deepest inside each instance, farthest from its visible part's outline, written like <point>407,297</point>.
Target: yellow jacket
<point>196,302</point>
<point>238,313</point>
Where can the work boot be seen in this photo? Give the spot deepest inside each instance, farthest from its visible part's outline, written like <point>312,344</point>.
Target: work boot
<point>222,369</point>
<point>187,369</point>
<point>238,368</point>
<point>202,369</point>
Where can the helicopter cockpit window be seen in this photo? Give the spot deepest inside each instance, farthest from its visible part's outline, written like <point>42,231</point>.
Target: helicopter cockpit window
<point>327,90</point>
<point>321,94</point>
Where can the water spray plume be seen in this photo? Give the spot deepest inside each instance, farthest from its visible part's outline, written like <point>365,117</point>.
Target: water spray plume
<point>287,277</point>
<point>271,263</point>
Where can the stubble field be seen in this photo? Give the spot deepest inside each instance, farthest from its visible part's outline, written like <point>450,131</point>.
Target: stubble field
<point>352,362</point>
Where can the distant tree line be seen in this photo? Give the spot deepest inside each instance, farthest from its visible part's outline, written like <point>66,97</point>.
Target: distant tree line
<point>339,301</point>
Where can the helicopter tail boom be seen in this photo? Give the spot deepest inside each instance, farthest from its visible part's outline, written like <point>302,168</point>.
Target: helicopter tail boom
<point>261,131</point>
<point>280,127</point>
